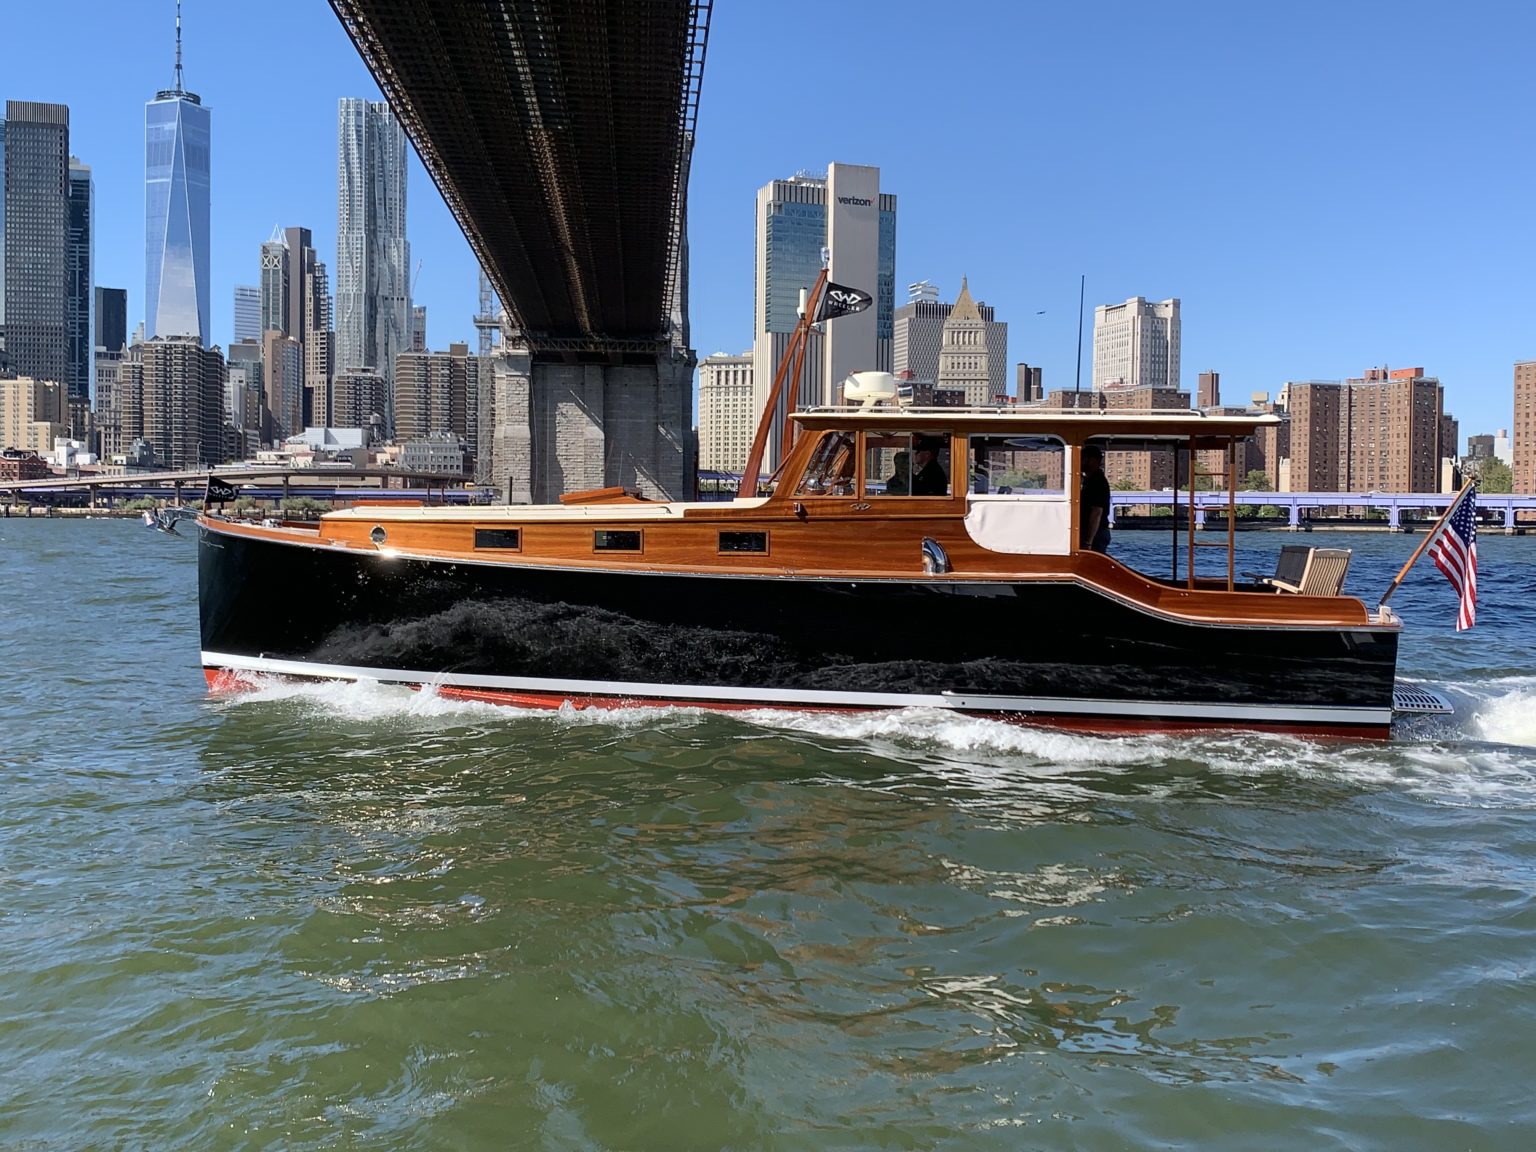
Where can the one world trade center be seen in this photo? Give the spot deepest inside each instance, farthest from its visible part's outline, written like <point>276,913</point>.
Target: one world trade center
<point>176,137</point>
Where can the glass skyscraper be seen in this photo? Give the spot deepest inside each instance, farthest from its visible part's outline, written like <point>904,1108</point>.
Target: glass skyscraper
<point>793,237</point>
<point>373,298</point>
<point>80,305</point>
<point>176,183</point>
<point>247,312</point>
<point>34,304</point>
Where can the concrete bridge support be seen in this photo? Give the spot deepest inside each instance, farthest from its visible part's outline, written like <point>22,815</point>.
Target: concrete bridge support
<point>559,427</point>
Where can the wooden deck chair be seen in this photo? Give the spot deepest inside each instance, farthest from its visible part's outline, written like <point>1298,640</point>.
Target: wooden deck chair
<point>1289,568</point>
<point>1323,575</point>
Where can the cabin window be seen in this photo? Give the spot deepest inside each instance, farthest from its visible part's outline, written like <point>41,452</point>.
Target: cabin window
<point>1002,465</point>
<point>743,542</point>
<point>507,538</point>
<point>1019,502</point>
<point>830,472</point>
<point>616,540</point>
<point>906,464</point>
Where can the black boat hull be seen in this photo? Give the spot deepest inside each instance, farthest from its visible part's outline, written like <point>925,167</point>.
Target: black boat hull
<point>1047,650</point>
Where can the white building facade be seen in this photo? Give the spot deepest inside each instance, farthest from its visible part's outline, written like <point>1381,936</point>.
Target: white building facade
<point>1136,344</point>
<point>727,416</point>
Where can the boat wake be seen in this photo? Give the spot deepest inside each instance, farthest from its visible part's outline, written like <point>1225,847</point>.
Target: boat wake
<point>1504,710</point>
<point>1478,757</point>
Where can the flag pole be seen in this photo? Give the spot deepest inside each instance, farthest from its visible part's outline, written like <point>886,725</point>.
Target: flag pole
<point>1428,540</point>
<point>765,421</point>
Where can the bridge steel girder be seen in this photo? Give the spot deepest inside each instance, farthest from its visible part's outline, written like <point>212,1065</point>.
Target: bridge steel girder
<point>559,133</point>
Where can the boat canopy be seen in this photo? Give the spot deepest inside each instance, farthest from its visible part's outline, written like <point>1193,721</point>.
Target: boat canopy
<point>1160,427</point>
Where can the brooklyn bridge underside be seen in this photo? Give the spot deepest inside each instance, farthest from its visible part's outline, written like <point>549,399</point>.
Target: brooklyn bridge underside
<point>559,132</point>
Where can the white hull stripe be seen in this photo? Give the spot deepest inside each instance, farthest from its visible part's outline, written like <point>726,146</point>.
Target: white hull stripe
<point>771,697</point>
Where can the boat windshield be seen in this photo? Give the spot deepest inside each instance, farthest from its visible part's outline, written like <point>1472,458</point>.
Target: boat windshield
<point>831,470</point>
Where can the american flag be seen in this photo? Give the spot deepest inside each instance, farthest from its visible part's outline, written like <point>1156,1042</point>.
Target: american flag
<point>1455,552</point>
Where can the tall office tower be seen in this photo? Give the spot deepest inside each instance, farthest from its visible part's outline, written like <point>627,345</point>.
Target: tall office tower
<point>1523,440</point>
<point>34,306</point>
<point>726,417</point>
<point>244,357</point>
<point>1210,390</point>
<point>433,393</point>
<point>247,312</point>
<point>274,284</point>
<point>127,412</point>
<point>111,312</point>
<point>309,322</point>
<point>858,235</point>
<point>418,328</point>
<point>184,402</point>
<point>80,299</point>
<point>1136,344</point>
<point>319,368</point>
<point>373,306</point>
<point>282,362</point>
<point>106,403</point>
<point>1029,385</point>
<point>296,301</point>
<point>964,365</point>
<point>176,211</point>
<point>919,334</point>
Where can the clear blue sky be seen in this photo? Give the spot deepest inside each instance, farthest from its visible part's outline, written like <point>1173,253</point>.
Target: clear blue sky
<point>1325,186</point>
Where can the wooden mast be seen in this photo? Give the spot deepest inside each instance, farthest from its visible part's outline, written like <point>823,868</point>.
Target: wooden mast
<point>765,422</point>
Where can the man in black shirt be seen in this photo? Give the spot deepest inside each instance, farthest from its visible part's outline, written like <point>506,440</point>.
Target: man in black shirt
<point>928,476</point>
<point>1093,523</point>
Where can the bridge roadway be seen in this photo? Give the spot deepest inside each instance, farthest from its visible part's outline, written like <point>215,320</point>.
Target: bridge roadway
<point>1395,503</point>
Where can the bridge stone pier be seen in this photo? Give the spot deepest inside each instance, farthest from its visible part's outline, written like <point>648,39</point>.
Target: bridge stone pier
<point>559,427</point>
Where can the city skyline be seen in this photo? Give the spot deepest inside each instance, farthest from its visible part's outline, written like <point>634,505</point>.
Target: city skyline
<point>1377,220</point>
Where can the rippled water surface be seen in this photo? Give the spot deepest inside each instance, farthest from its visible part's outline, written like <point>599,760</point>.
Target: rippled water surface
<point>348,916</point>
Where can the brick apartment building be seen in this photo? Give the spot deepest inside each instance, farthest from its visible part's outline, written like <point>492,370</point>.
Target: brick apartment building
<point>1523,441</point>
<point>1380,432</point>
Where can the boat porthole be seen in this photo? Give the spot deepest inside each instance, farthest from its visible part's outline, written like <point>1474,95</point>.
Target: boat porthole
<point>378,535</point>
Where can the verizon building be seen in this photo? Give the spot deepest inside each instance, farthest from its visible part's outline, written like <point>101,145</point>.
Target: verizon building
<point>1136,344</point>
<point>845,214</point>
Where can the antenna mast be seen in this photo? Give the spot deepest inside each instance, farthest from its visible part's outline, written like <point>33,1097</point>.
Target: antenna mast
<point>178,46</point>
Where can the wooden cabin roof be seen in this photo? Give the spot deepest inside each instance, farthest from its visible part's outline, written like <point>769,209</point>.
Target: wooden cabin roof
<point>1071,425</point>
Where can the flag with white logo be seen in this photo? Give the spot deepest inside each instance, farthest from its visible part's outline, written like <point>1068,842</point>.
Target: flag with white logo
<point>839,301</point>
<point>218,491</point>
